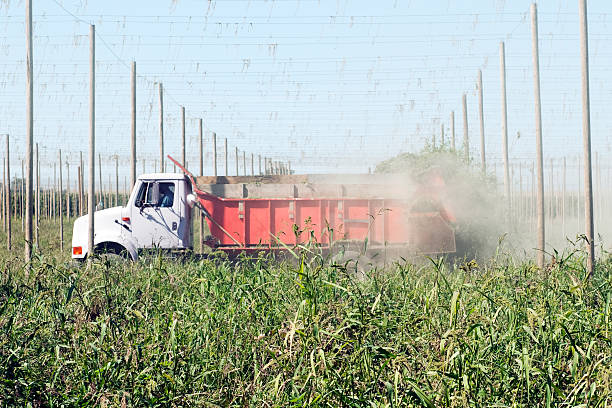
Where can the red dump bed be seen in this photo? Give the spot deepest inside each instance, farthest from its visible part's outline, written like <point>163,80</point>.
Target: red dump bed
<point>387,210</point>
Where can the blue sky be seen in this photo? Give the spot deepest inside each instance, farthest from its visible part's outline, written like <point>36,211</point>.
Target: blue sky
<point>333,86</point>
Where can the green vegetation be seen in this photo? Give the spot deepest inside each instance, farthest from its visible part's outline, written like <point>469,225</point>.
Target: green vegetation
<point>262,332</point>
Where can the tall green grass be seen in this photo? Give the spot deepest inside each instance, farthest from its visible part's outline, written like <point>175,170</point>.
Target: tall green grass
<point>261,332</point>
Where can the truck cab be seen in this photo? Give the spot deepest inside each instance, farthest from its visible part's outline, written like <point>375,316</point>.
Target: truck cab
<point>156,216</point>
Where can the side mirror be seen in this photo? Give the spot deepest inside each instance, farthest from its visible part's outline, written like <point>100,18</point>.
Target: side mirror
<point>191,200</point>
<point>138,203</point>
<point>154,198</point>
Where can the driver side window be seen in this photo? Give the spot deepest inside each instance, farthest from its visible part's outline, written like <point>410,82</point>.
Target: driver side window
<point>166,194</point>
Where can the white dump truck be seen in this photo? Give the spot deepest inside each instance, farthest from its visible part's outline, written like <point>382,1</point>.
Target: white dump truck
<point>392,213</point>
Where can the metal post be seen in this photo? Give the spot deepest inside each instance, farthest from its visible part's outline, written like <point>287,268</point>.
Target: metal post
<point>481,117</point>
<point>29,138</point>
<point>466,138</point>
<point>161,128</point>
<point>259,158</point>
<point>441,139</point>
<point>133,133</point>
<point>68,212</point>
<point>252,164</point>
<point>586,137</point>
<point>92,136</point>
<point>538,122</point>
<point>244,166</point>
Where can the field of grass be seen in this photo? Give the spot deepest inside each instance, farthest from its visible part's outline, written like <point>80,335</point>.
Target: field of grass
<point>262,332</point>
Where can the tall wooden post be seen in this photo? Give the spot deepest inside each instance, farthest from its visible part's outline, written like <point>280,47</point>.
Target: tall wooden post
<point>133,128</point>
<point>161,128</point>
<point>538,124</point>
<point>116,180</point>
<point>37,204</point>
<point>259,158</point>
<point>8,196</point>
<point>81,186</point>
<point>100,192</point>
<point>226,159</point>
<point>61,209</point>
<point>504,122</point>
<point>29,138</point>
<point>92,138</point>
<point>214,138</point>
<point>586,138</point>
<point>252,164</point>
<point>183,155</point>
<point>563,207</point>
<point>68,188</point>
<point>483,160</point>
<point>237,174</point>
<point>466,137</point>
<point>201,146</point>
<point>452,130</point>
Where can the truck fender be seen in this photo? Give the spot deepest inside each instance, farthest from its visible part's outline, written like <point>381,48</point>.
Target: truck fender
<point>117,239</point>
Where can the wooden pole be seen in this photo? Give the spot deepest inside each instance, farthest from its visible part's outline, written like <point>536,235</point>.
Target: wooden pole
<point>8,196</point>
<point>81,186</point>
<point>504,121</point>
<point>226,159</point>
<point>466,138</point>
<point>201,145</point>
<point>563,199</point>
<point>441,138</point>
<point>214,138</point>
<point>133,128</point>
<point>37,206</point>
<point>237,161</point>
<point>252,164</point>
<point>483,161</point>
<point>100,192</point>
<point>538,126</point>
<point>183,155</point>
<point>586,138</point>
<point>61,212</point>
<point>452,130</point>
<point>161,128</point>
<point>29,138</point>
<point>68,211</point>
<point>244,166</point>
<point>259,159</point>
<point>116,180</point>
<point>92,137</point>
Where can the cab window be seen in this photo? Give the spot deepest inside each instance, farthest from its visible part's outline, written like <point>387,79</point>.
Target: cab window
<point>166,194</point>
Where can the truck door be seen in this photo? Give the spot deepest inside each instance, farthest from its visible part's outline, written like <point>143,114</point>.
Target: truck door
<point>156,224</point>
